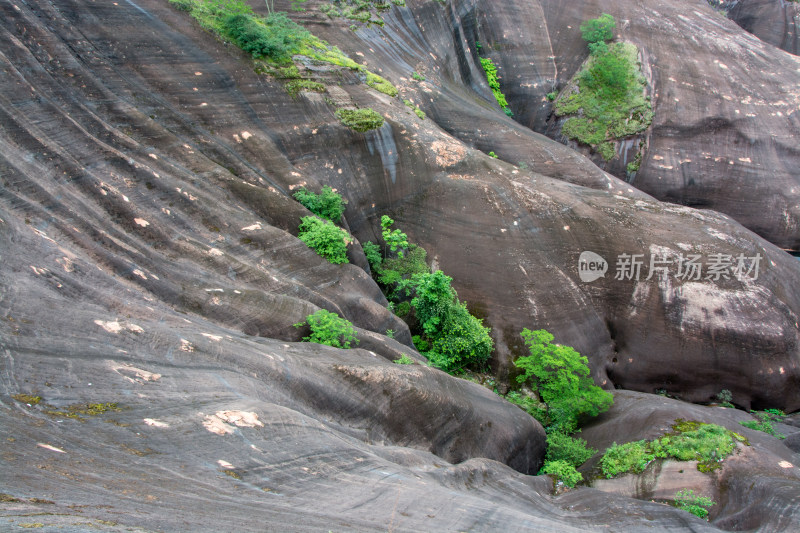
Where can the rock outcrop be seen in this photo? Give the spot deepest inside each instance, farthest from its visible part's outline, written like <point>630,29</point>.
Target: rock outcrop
<point>149,259</point>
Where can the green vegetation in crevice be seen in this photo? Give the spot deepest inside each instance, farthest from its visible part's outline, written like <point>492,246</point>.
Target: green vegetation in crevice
<point>329,329</point>
<point>494,83</point>
<point>693,503</point>
<point>708,444</point>
<point>404,359</point>
<point>560,377</point>
<point>325,238</point>
<point>764,422</point>
<point>365,11</point>
<point>560,395</point>
<point>273,41</point>
<point>442,327</point>
<point>605,101</point>
<point>415,108</point>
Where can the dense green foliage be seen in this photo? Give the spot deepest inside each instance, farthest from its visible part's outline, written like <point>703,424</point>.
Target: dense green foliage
<point>457,339</point>
<point>629,457</point>
<point>564,455</point>
<point>494,83</point>
<point>598,30</point>
<point>563,471</point>
<point>449,336</point>
<point>607,96</point>
<point>275,37</point>
<point>697,505</point>
<point>325,238</point>
<point>708,444</point>
<point>360,120</point>
<point>764,422</point>
<point>560,376</point>
<point>328,204</point>
<point>330,329</point>
<point>562,447</point>
<point>373,254</point>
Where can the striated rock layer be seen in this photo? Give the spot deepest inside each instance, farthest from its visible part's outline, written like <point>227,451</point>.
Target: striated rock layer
<point>149,259</point>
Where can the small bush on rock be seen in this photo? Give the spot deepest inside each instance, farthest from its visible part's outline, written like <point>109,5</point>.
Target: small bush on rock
<point>329,329</point>
<point>328,240</point>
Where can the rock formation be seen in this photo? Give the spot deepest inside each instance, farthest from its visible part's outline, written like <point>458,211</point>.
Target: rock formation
<point>149,264</point>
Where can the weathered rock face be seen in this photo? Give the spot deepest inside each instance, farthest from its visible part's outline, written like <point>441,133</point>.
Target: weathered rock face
<point>725,130</point>
<point>149,258</point>
<point>772,22</point>
<point>763,471</point>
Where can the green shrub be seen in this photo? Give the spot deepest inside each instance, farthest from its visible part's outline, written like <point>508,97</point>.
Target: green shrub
<point>562,471</point>
<point>404,360</point>
<point>494,83</point>
<point>417,76</point>
<point>373,253</point>
<point>329,329</point>
<point>360,120</point>
<point>275,37</point>
<point>325,238</point>
<point>725,397</point>
<point>328,204</point>
<point>562,447</point>
<point>598,30</point>
<point>629,457</point>
<point>695,504</point>
<point>394,238</point>
<point>457,338</point>
<point>560,376</point>
<point>402,267</point>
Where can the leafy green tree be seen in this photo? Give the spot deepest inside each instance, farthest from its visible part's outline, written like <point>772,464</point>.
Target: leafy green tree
<point>560,376</point>
<point>328,204</point>
<point>457,339</point>
<point>598,30</point>
<point>396,240</point>
<point>329,329</point>
<point>325,238</point>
